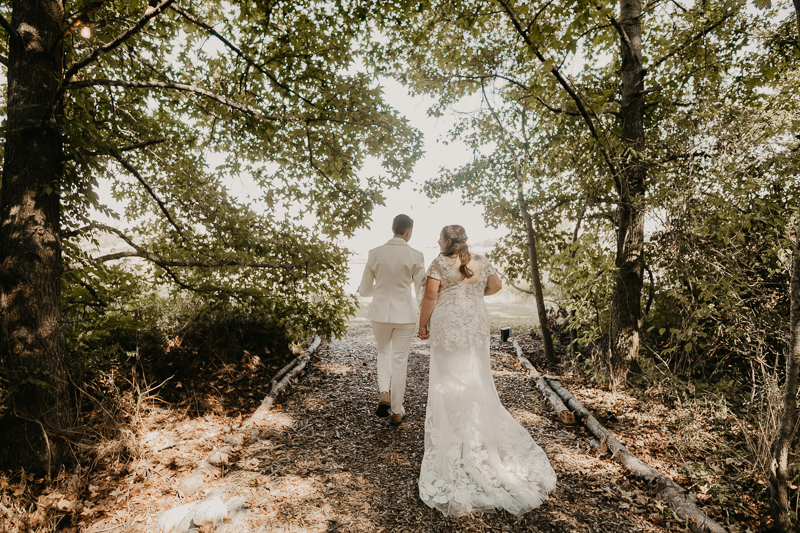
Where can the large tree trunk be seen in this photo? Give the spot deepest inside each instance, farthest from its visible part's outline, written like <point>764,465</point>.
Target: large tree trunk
<point>31,337</point>
<point>626,298</point>
<point>533,257</point>
<point>778,468</point>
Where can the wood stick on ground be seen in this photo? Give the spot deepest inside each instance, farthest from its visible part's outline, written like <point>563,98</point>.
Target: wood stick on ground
<point>266,404</point>
<point>282,372</point>
<point>681,501</point>
<point>562,412</point>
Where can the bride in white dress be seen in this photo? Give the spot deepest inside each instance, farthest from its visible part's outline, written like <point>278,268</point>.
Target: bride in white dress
<point>477,457</point>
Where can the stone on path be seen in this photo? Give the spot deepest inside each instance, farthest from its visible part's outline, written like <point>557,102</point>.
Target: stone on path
<point>208,512</point>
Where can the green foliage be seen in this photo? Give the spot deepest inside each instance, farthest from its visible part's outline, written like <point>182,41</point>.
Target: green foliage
<point>723,298</point>
<point>721,119</point>
<point>234,138</point>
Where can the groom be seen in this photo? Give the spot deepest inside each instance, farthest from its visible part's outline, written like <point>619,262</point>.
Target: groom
<point>391,271</point>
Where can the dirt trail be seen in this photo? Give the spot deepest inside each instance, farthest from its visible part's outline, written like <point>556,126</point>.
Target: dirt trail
<point>324,462</point>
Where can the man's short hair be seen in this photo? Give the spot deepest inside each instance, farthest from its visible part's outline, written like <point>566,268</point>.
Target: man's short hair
<point>401,224</point>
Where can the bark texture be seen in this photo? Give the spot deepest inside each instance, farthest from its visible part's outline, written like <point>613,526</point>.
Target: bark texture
<point>626,307</point>
<point>779,466</point>
<point>31,336</point>
<point>533,258</point>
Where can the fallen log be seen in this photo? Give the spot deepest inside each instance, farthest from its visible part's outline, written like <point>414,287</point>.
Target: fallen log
<point>287,373</point>
<point>562,412</point>
<point>282,372</point>
<point>679,499</point>
<point>258,416</point>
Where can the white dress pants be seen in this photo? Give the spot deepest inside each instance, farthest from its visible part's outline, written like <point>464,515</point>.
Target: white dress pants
<point>394,344</point>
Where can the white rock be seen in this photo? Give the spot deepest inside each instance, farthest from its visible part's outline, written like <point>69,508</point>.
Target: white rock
<point>190,485</point>
<point>214,493</point>
<point>238,514</point>
<point>170,519</point>
<point>218,459</point>
<point>235,503</point>
<point>209,511</point>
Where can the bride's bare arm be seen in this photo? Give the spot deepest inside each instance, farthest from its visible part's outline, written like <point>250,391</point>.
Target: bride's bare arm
<point>428,301</point>
<point>493,285</point>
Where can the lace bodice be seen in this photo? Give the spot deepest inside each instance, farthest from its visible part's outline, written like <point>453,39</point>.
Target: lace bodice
<point>460,318</point>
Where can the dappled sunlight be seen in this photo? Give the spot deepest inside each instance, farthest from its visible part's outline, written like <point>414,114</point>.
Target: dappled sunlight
<point>276,421</point>
<point>528,418</point>
<point>333,368</point>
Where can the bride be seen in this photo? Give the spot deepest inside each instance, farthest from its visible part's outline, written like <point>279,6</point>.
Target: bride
<point>477,457</point>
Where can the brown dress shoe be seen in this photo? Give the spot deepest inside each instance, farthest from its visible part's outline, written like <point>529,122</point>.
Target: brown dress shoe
<point>396,419</point>
<point>384,405</point>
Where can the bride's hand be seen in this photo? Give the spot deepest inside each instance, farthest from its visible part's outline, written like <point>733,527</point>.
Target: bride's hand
<point>423,333</point>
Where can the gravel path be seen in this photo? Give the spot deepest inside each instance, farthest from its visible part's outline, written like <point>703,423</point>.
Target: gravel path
<point>324,462</point>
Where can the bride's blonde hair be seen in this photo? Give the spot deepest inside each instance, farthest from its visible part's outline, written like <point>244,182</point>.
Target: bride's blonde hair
<point>457,236</point>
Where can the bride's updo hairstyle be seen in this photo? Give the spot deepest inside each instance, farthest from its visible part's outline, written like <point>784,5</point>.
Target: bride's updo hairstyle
<point>458,247</point>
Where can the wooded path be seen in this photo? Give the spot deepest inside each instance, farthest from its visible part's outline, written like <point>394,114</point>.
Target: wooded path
<point>324,462</point>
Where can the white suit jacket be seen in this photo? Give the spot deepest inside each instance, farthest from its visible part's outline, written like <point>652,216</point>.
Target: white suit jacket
<point>391,271</point>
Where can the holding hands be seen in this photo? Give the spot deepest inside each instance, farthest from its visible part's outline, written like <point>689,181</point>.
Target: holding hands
<point>423,333</point>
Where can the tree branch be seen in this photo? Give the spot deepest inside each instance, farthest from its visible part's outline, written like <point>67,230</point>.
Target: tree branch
<point>520,289</point>
<point>556,109</point>
<point>566,86</point>
<point>109,46</point>
<point>130,168</point>
<point>153,84</point>
<point>138,251</point>
<point>90,289</point>
<point>683,45</point>
<point>128,148</point>
<point>160,261</point>
<point>7,26</point>
<point>194,20</point>
<point>623,35</point>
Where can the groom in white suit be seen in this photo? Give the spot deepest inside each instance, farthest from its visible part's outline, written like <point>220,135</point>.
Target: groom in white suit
<point>391,271</point>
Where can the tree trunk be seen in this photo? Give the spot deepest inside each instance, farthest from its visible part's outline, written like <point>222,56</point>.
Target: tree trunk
<point>31,336</point>
<point>534,261</point>
<point>626,298</point>
<point>573,334</point>
<point>778,468</point>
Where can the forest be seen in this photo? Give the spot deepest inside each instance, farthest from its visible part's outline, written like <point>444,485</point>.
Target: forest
<point>643,155</point>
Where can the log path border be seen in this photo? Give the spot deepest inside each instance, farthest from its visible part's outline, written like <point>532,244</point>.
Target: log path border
<point>679,499</point>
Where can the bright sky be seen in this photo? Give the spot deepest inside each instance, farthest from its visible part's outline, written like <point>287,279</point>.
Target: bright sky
<point>429,217</point>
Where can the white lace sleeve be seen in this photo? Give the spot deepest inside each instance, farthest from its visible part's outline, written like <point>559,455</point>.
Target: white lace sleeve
<point>487,266</point>
<point>435,270</point>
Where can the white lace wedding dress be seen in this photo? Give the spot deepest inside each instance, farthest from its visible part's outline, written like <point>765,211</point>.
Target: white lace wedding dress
<point>477,457</point>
